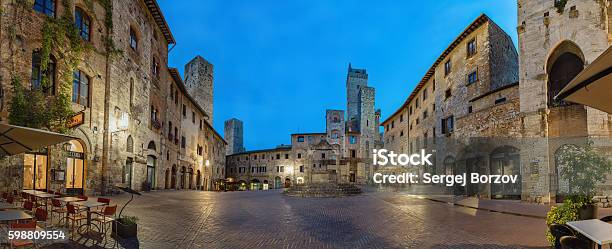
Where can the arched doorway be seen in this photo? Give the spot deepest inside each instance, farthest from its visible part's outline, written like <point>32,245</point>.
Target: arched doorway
<point>150,180</point>
<point>127,172</point>
<point>277,182</point>
<point>255,184</point>
<point>265,185</point>
<point>563,64</point>
<point>183,176</point>
<point>167,179</point>
<point>506,160</point>
<point>451,167</point>
<point>561,184</point>
<point>190,178</point>
<point>75,167</point>
<point>287,182</point>
<point>198,180</point>
<point>173,178</point>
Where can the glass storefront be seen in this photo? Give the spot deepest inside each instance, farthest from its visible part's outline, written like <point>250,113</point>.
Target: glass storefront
<point>75,167</point>
<point>35,171</point>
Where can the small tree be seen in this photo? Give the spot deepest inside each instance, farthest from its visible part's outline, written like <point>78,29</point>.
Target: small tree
<point>584,168</point>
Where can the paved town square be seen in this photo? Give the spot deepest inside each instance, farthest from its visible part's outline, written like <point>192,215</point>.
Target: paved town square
<point>268,219</point>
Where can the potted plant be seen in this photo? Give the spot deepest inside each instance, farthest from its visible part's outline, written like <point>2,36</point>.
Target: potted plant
<point>584,168</point>
<point>560,215</point>
<point>126,227</point>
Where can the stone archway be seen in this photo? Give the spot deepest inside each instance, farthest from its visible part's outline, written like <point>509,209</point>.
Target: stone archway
<point>167,179</point>
<point>563,64</point>
<point>506,160</point>
<point>287,182</point>
<point>190,180</point>
<point>183,177</point>
<point>173,178</point>
<point>277,182</point>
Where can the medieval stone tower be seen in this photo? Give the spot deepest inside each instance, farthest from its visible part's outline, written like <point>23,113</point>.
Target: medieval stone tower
<point>557,39</point>
<point>199,84</point>
<point>355,80</point>
<point>335,127</point>
<point>233,135</point>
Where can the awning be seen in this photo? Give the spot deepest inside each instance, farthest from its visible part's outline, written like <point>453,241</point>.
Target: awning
<point>593,85</point>
<point>16,139</point>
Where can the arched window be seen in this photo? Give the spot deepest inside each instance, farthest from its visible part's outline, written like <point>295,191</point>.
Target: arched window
<point>83,23</point>
<point>46,7</point>
<point>151,145</point>
<point>133,40</point>
<point>80,88</point>
<point>564,63</point>
<point>130,144</point>
<point>43,78</point>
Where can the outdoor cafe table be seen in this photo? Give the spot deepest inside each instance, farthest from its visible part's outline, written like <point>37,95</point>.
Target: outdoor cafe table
<point>596,230</point>
<point>10,215</point>
<point>5,205</point>
<point>44,196</point>
<point>89,205</point>
<point>68,199</point>
<point>34,192</point>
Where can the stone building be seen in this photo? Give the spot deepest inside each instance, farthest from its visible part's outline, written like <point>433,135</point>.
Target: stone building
<point>341,154</point>
<point>557,39</point>
<point>119,89</point>
<point>199,84</point>
<point>233,133</point>
<point>470,91</point>
<point>504,118</point>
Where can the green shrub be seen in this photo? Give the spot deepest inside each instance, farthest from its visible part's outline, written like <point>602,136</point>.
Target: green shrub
<point>129,220</point>
<point>562,214</point>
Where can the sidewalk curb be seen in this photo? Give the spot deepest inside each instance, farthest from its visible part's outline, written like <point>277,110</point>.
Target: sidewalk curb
<point>483,209</point>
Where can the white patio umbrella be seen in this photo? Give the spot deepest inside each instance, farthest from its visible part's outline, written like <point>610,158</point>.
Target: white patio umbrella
<point>593,85</point>
<point>16,139</point>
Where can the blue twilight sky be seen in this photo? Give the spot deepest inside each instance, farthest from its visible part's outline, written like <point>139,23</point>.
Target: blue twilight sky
<point>280,64</point>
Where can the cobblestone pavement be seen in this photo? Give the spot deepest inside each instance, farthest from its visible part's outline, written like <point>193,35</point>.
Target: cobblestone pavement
<point>267,219</point>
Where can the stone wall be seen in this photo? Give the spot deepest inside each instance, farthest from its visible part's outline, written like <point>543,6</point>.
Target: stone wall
<point>131,115</point>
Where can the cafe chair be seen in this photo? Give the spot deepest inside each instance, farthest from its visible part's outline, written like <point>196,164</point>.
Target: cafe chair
<point>35,202</point>
<point>4,195</point>
<point>559,231</point>
<point>21,198</point>
<point>106,202</point>
<point>10,199</point>
<point>41,216</point>
<point>107,216</point>
<point>573,242</point>
<point>74,216</point>
<point>28,206</point>
<point>59,209</point>
<point>84,198</point>
<point>21,243</point>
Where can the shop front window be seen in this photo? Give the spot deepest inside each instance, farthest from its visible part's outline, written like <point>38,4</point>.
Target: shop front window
<point>35,171</point>
<point>75,168</point>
